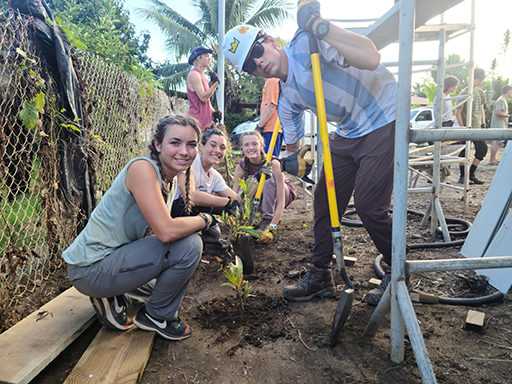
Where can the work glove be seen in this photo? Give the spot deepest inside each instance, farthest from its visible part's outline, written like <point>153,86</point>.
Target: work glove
<point>212,243</point>
<point>264,169</point>
<point>296,165</point>
<point>482,126</point>
<point>307,12</point>
<point>233,207</point>
<point>214,77</point>
<point>217,116</point>
<point>267,236</point>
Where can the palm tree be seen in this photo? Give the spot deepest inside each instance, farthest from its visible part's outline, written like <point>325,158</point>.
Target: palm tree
<point>182,35</point>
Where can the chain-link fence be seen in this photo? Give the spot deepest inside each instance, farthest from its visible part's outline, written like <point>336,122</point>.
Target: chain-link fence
<point>38,220</point>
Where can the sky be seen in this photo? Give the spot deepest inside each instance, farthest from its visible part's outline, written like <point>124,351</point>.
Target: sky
<point>492,19</point>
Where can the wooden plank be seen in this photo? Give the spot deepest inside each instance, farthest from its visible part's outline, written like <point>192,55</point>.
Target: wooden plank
<point>114,357</point>
<point>29,346</point>
<point>475,321</point>
<point>493,212</point>
<point>385,30</point>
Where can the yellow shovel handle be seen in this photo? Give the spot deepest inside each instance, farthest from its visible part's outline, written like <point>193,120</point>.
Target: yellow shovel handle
<point>324,135</point>
<point>273,140</point>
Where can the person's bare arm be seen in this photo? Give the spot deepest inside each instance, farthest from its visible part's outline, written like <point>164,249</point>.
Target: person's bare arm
<point>280,192</point>
<point>458,116</point>
<point>290,148</point>
<point>196,85</point>
<point>239,174</point>
<point>359,51</point>
<point>142,182</point>
<point>500,113</point>
<point>267,113</point>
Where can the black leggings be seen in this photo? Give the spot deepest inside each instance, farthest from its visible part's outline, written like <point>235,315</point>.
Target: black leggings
<point>480,150</point>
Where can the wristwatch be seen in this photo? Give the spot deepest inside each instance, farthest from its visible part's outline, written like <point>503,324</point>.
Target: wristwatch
<point>273,226</point>
<point>322,29</point>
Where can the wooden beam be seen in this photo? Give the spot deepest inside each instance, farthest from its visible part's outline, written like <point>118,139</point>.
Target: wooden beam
<point>114,357</point>
<point>29,346</point>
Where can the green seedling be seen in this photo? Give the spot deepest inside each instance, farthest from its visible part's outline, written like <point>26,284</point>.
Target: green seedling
<point>238,225</point>
<point>234,274</point>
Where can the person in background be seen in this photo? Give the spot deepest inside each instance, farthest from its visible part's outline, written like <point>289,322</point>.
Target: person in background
<point>278,191</point>
<point>450,84</point>
<point>114,256</point>
<point>360,98</point>
<point>268,113</point>
<point>198,90</point>
<point>208,190</point>
<point>500,117</point>
<point>476,120</point>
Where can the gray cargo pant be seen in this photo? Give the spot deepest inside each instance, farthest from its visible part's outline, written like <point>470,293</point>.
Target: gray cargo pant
<point>134,265</point>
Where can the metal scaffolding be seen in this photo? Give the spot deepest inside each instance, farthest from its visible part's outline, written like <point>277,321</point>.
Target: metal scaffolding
<point>397,296</point>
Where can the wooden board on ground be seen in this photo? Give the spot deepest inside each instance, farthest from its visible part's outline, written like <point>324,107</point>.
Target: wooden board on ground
<point>29,346</point>
<point>114,357</point>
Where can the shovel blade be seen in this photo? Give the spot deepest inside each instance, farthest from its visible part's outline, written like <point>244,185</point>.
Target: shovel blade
<point>342,313</point>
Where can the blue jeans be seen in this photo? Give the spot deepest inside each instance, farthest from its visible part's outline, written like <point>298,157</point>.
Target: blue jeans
<point>267,136</point>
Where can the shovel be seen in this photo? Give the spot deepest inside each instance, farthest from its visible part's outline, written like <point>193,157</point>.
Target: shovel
<point>347,295</point>
<point>257,196</point>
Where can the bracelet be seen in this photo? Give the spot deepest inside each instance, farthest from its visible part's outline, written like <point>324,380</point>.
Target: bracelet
<point>206,221</point>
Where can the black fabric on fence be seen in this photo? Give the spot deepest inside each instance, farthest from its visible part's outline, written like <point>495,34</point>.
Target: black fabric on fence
<point>77,173</point>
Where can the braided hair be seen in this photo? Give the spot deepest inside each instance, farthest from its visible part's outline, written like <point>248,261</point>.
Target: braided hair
<point>259,138</point>
<point>161,129</point>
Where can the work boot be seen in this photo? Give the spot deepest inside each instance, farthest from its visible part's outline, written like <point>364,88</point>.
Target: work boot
<point>475,180</point>
<point>373,297</point>
<point>316,282</point>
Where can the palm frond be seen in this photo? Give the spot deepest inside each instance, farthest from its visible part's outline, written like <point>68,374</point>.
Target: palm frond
<point>272,13</point>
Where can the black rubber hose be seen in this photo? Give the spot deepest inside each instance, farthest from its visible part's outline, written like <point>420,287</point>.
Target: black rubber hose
<point>473,301</point>
<point>456,228</point>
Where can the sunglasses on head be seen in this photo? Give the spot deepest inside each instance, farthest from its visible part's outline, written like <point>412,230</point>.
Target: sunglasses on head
<point>257,51</point>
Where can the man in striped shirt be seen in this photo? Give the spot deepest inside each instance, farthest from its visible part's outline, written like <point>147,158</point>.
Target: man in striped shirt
<point>360,98</point>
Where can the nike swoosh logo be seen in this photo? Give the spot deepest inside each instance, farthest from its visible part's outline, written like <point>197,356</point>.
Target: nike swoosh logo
<point>159,324</point>
<point>117,307</point>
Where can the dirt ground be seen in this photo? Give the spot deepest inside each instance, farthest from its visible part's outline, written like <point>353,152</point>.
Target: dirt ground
<point>275,341</point>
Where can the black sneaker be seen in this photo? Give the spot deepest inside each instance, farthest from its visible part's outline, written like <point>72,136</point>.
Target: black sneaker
<point>171,330</point>
<point>316,282</point>
<point>474,180</point>
<point>461,180</point>
<point>111,312</point>
<point>373,297</point>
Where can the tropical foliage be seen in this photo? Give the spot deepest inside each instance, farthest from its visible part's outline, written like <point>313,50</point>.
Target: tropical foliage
<point>103,27</point>
<point>183,35</point>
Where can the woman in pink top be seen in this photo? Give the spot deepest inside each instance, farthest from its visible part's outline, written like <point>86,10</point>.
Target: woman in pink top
<point>198,92</point>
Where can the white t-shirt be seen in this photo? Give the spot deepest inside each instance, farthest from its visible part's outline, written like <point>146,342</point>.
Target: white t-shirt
<point>214,182</point>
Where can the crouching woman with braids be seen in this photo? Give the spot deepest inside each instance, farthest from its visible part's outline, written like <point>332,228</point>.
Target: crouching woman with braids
<point>113,256</point>
<point>278,191</point>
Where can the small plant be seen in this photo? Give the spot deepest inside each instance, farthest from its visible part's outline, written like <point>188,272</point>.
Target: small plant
<point>238,224</point>
<point>234,274</point>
